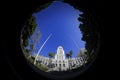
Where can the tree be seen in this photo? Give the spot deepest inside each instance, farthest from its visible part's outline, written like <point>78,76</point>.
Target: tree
<point>35,39</point>
<point>41,7</point>
<point>70,53</point>
<point>89,27</point>
<point>31,47</point>
<point>51,55</point>
<point>26,52</point>
<point>70,56</point>
<point>28,30</point>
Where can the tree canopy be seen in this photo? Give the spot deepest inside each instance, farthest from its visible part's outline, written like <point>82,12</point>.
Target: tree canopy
<point>31,24</point>
<point>88,28</point>
<point>70,53</point>
<point>41,7</point>
<point>51,55</point>
<point>28,30</point>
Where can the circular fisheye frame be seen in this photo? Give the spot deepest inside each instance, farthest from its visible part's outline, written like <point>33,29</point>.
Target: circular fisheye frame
<point>60,41</point>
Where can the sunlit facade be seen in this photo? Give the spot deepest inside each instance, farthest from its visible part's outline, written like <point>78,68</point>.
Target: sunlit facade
<point>60,62</point>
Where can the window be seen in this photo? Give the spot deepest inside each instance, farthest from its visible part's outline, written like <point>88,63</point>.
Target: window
<point>76,62</point>
<point>60,65</point>
<point>63,65</point>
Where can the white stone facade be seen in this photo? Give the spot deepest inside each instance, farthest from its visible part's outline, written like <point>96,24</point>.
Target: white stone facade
<point>60,62</point>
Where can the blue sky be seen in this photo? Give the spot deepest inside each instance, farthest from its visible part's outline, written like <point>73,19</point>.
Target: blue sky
<point>59,20</point>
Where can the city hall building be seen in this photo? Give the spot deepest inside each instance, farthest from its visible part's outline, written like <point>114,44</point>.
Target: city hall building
<point>60,62</point>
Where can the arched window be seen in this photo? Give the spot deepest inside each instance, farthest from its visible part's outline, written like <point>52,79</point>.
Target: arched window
<point>63,65</point>
<point>60,65</point>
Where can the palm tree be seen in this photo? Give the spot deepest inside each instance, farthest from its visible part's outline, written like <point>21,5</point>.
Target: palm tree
<point>70,56</point>
<point>30,50</point>
<point>51,55</point>
<point>71,52</point>
<point>67,55</point>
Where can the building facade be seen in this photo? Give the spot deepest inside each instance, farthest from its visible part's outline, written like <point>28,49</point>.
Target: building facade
<point>60,62</point>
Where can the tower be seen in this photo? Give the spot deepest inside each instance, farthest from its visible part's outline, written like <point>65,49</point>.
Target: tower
<point>60,53</point>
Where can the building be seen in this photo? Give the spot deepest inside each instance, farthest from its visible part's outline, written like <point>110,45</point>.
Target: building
<point>60,62</point>
<point>82,54</point>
